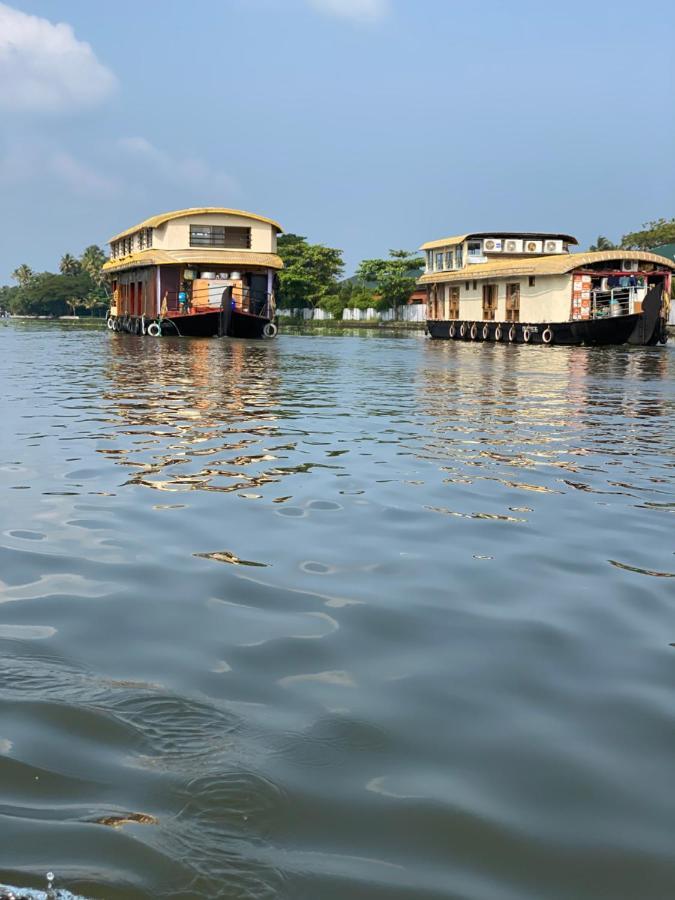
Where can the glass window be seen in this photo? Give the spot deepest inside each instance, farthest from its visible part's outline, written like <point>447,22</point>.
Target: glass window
<point>475,248</point>
<point>220,236</point>
<point>458,257</point>
<point>448,259</point>
<point>439,262</point>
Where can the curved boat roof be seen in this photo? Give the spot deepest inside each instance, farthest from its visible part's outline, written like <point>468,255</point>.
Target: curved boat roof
<point>558,264</point>
<point>156,221</point>
<point>194,257</point>
<point>525,235</point>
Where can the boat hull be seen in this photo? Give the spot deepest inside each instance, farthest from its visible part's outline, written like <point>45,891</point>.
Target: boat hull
<point>216,323</point>
<point>613,330</point>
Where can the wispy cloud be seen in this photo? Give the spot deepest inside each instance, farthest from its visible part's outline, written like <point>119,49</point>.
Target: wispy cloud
<point>44,68</point>
<point>27,159</point>
<point>188,171</point>
<point>362,11</point>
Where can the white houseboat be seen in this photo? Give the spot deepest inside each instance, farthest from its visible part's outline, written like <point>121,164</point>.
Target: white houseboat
<point>529,288</point>
<point>195,272</point>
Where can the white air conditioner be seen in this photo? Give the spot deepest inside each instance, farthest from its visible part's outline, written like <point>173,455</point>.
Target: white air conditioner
<point>512,245</point>
<point>552,246</point>
<point>629,265</point>
<point>492,245</point>
<point>532,246</point>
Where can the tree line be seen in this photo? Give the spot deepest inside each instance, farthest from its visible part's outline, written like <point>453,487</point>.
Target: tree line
<point>78,287</point>
<point>652,234</point>
<point>312,276</point>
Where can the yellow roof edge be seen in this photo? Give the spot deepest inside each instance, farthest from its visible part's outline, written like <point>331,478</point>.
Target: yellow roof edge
<point>155,221</point>
<point>157,257</point>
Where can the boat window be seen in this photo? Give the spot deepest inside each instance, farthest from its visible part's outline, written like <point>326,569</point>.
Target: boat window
<point>448,259</point>
<point>532,281</point>
<point>475,248</point>
<point>458,257</point>
<point>220,236</point>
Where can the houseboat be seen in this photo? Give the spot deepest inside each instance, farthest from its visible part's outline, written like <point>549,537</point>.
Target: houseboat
<point>529,288</point>
<point>200,272</point>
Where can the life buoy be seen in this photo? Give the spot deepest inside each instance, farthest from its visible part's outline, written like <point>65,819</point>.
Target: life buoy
<point>498,333</point>
<point>547,336</point>
<point>512,333</point>
<point>474,331</point>
<point>270,330</point>
<point>154,330</point>
<point>142,324</point>
<point>111,323</point>
<point>526,335</point>
<point>486,332</point>
<point>452,331</point>
<point>462,329</point>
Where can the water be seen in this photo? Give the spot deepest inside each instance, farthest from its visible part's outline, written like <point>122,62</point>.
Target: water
<point>336,616</point>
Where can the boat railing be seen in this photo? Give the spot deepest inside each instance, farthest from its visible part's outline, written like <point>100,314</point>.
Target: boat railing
<point>613,302</point>
<point>200,298</point>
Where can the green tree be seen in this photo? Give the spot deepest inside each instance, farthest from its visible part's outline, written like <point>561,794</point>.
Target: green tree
<point>69,265</point>
<point>652,234</point>
<point>602,243</point>
<point>91,260</point>
<point>48,294</point>
<point>310,272</point>
<point>23,274</point>
<point>394,278</point>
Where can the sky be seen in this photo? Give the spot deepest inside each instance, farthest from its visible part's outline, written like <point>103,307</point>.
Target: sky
<point>362,124</point>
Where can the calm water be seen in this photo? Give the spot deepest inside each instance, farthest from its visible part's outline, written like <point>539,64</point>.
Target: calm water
<point>336,617</point>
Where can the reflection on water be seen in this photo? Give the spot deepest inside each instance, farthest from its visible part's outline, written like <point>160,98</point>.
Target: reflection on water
<point>404,628</point>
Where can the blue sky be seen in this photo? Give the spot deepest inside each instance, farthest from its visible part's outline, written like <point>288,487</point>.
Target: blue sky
<point>363,124</point>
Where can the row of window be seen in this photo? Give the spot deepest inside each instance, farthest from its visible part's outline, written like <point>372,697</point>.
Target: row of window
<point>141,240</point>
<point>231,237</point>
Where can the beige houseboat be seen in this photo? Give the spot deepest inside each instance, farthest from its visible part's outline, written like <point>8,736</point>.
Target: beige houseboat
<point>529,288</point>
<point>195,272</point>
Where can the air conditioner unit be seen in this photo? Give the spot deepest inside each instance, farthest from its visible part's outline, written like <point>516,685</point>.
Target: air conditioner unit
<point>629,265</point>
<point>552,246</point>
<point>511,245</point>
<point>492,245</point>
<point>533,246</point>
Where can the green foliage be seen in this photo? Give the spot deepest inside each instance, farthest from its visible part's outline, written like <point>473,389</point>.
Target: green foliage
<point>69,265</point>
<point>395,278</point>
<point>660,231</point>
<point>91,261</point>
<point>602,243</point>
<point>310,274</point>
<point>23,274</point>
<point>79,286</point>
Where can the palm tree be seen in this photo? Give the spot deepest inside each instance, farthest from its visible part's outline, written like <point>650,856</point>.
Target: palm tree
<point>69,265</point>
<point>602,243</point>
<point>23,274</point>
<point>91,261</point>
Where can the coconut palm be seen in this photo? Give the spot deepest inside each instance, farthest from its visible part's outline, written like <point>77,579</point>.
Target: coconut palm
<point>23,274</point>
<point>602,243</point>
<point>91,261</point>
<point>69,265</point>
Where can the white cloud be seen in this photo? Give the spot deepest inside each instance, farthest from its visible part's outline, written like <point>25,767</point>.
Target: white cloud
<point>187,171</point>
<point>357,10</point>
<point>44,68</point>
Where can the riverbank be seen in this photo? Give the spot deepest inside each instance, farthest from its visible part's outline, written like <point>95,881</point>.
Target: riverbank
<point>308,325</point>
